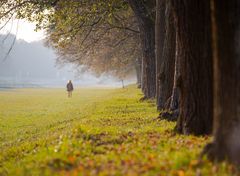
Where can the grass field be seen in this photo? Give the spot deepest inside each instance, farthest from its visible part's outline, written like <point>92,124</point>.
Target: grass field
<point>97,132</point>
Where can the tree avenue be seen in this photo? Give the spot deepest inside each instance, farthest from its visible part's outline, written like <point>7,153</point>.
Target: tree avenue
<point>186,55</point>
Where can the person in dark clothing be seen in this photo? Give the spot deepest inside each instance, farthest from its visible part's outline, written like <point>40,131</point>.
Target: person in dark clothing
<point>69,88</point>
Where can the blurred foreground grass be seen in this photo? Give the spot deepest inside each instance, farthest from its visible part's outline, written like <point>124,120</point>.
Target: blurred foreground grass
<point>97,132</point>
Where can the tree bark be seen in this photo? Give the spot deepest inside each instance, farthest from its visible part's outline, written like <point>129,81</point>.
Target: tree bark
<point>193,25</point>
<point>138,67</point>
<point>175,91</point>
<point>160,31</point>
<point>174,104</point>
<point>226,44</point>
<point>165,53</point>
<point>142,11</point>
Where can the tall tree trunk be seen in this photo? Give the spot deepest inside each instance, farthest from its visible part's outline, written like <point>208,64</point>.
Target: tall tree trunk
<point>176,82</point>
<point>143,11</point>
<point>193,25</point>
<point>226,44</point>
<point>142,74</point>
<point>123,84</point>
<point>138,67</point>
<point>160,30</point>
<point>165,53</point>
<point>175,91</point>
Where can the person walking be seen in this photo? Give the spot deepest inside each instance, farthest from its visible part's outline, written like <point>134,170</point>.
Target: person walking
<point>69,88</point>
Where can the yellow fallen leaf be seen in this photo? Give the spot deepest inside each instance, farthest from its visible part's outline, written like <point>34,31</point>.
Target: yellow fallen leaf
<point>181,173</point>
<point>194,163</point>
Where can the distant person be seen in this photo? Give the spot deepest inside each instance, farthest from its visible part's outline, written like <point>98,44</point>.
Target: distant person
<point>69,88</point>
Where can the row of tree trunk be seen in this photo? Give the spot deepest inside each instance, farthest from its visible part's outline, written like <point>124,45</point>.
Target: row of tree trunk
<point>191,63</point>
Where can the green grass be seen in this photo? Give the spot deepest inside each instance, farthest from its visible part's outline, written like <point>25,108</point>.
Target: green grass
<point>97,132</point>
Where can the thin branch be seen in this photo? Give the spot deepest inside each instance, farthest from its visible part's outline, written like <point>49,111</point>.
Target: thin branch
<point>6,22</point>
<point>12,45</point>
<point>9,32</point>
<point>15,7</point>
<point>124,28</point>
<point>89,32</point>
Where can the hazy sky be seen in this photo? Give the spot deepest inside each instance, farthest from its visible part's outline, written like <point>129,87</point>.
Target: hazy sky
<point>25,30</point>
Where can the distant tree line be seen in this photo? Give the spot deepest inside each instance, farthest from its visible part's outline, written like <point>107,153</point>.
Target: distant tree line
<point>186,55</point>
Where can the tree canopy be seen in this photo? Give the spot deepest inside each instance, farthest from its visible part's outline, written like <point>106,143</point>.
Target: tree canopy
<point>100,35</point>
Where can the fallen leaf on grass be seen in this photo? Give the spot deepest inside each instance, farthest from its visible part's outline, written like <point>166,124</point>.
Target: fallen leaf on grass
<point>181,173</point>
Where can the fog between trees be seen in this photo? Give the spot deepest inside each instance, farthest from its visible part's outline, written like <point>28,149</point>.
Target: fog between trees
<point>189,55</point>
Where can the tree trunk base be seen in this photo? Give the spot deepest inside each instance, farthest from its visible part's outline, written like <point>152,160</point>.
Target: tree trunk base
<point>169,116</point>
<point>212,153</point>
<point>209,151</point>
<point>143,99</point>
<point>168,103</point>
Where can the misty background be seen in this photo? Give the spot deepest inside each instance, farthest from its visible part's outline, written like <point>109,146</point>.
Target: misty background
<point>31,64</point>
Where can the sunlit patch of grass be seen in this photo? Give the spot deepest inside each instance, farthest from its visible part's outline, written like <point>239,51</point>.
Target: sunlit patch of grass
<point>98,132</point>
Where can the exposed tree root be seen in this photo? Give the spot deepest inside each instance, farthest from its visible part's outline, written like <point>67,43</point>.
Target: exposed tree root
<point>208,151</point>
<point>169,116</point>
<point>143,99</point>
